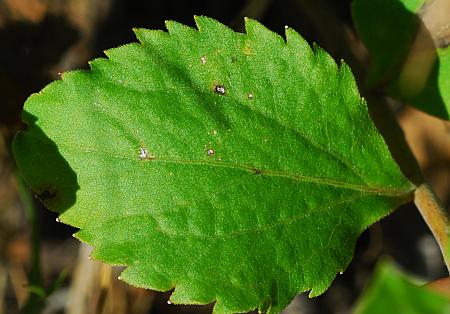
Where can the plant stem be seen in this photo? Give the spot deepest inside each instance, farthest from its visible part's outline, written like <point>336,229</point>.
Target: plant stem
<point>435,217</point>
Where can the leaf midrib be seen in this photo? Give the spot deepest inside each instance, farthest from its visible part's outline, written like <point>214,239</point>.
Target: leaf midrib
<point>368,189</point>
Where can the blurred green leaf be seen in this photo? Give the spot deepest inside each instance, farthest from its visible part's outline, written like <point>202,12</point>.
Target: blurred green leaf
<point>432,96</point>
<point>404,55</point>
<point>235,168</point>
<point>392,292</point>
<point>387,28</point>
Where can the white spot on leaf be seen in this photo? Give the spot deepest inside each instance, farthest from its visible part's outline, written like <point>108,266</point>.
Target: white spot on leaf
<point>144,154</point>
<point>220,89</point>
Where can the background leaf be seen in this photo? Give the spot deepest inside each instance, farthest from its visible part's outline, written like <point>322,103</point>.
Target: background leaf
<point>393,292</point>
<point>408,46</point>
<point>237,168</point>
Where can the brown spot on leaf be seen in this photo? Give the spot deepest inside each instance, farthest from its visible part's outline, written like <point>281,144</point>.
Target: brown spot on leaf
<point>257,171</point>
<point>247,50</point>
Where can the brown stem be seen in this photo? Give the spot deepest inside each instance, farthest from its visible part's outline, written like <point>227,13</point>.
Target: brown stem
<point>435,217</point>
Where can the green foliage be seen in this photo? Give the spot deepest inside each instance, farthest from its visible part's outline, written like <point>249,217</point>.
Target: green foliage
<point>392,292</point>
<point>404,56</point>
<point>236,168</point>
<point>378,24</point>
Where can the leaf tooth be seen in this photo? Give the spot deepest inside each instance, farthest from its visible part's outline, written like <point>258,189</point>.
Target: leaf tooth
<point>328,66</point>
<point>133,275</point>
<point>35,98</point>
<point>97,63</point>
<point>295,41</point>
<point>255,29</point>
<point>319,289</point>
<point>117,53</point>
<point>347,82</point>
<point>178,29</point>
<point>188,294</point>
<point>208,25</point>
<point>151,37</point>
<point>222,308</point>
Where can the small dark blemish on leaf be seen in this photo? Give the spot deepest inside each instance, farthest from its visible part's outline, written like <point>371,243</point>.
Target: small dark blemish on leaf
<point>257,171</point>
<point>234,59</point>
<point>220,89</point>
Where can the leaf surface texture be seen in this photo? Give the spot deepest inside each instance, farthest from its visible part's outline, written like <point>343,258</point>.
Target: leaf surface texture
<point>236,168</point>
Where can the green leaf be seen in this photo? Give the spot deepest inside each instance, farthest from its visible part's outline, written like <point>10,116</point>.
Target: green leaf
<point>392,292</point>
<point>378,24</point>
<point>236,168</point>
<point>407,54</point>
<point>432,97</point>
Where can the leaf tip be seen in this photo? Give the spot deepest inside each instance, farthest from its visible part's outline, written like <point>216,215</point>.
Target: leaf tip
<point>319,289</point>
<point>172,25</point>
<point>208,24</point>
<point>139,32</point>
<point>202,21</point>
<point>292,36</point>
<point>250,24</point>
<point>253,28</point>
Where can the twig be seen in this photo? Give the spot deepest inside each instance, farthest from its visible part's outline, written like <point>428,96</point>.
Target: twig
<point>435,217</point>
